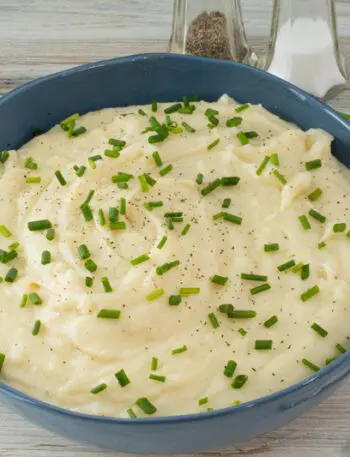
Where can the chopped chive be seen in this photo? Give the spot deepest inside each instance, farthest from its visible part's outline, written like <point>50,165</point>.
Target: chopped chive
<point>211,112</point>
<point>60,178</point>
<point>158,378</point>
<point>310,293</point>
<point>113,215</point>
<point>319,217</point>
<point>241,108</point>
<point>154,364</point>
<point>157,159</point>
<point>77,132</point>
<point>271,322</point>
<point>4,156</point>
<point>141,112</point>
<point>214,121</point>
<point>315,195</point>
<point>321,245</point>
<point>150,181</point>
<point>101,217</point>
<point>259,289</point>
<point>11,275</point>
<point>304,222</point>
<point>142,258</point>
<point>167,267</point>
<point>241,314</point>
<point>154,106</point>
<point>2,360</point>
<point>210,187</point>
<point>230,181</point>
<point>185,229</point>
<point>199,179</point>
<point>166,170</point>
<point>155,294</point>
<point>239,381</point>
<point>90,265</point>
<point>146,406</point>
<point>35,298</point>
<point>143,183</point>
<point>122,378</point>
<point>313,164</point>
<point>88,198</point>
<point>234,122</point>
<point>274,159</point>
<point>190,290</point>
<point>272,247</point>
<point>175,300</point>
<point>80,171</point>
<point>213,144</point>
<point>341,348</point>
<point>122,206</point>
<point>280,177</point>
<point>230,368</point>
<point>87,213</point>
<point>106,285</point>
<point>219,280</point>
<point>45,258</point>
<point>6,257</point>
<point>50,234</point>
<point>162,242</point>
<point>286,266</point>
<point>339,228</point>
<point>121,177</point>
<point>251,134</point>
<point>179,350</point>
<point>242,331</point>
<point>213,320</point>
<point>225,308</point>
<point>263,345</point>
<point>173,108</point>
<point>33,180</point>
<point>262,166</point>
<point>203,401</point>
<point>174,214</point>
<point>112,153</point>
<point>117,225</point>
<point>319,330</point>
<point>89,281</point>
<point>39,225</point>
<point>310,365</point>
<point>219,215</point>
<point>117,144</point>
<point>36,328</point>
<point>24,301</point>
<point>305,272</point>
<point>131,413</point>
<point>243,139</point>
<point>92,161</point>
<point>253,277</point>
<point>188,128</point>
<point>109,314</point>
<point>226,203</point>
<point>330,360</point>
<point>98,389</point>
<point>30,164</point>
<point>83,252</point>
<point>232,218</point>
<point>4,231</point>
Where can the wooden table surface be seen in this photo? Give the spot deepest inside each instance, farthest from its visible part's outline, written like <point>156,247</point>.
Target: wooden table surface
<point>38,37</point>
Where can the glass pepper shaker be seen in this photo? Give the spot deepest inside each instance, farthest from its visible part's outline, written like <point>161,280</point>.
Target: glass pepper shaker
<point>210,28</point>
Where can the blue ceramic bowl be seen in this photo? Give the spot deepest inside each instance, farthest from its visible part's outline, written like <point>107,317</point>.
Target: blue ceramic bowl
<point>137,80</point>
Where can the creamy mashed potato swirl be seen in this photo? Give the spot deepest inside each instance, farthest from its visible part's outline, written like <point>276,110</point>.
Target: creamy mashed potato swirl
<point>76,348</point>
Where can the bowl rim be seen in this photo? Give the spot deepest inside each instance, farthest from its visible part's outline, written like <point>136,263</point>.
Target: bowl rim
<point>200,416</point>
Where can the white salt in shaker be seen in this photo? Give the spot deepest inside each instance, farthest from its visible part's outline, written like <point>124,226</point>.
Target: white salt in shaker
<point>304,47</point>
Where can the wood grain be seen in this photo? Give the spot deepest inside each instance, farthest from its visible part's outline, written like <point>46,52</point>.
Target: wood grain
<point>39,37</point>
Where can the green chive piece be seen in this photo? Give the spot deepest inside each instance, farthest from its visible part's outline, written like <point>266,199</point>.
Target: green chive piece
<point>199,179</point>
<point>274,159</point>
<point>117,225</point>
<point>113,215</point>
<point>36,328</point>
<point>154,364</point>
<point>122,378</point>
<point>122,206</point>
<point>98,389</point>
<point>339,228</point>
<point>305,272</point>
<point>143,183</point>
<point>90,265</point>
<point>24,301</point>
<point>304,222</point>
<point>280,177</point>
<point>242,331</point>
<point>271,322</point>
<point>11,275</point>
<point>188,128</point>
<point>321,245</point>
<point>60,178</point>
<point>4,231</point>
<point>39,225</point>
<point>35,298</point>
<point>80,171</point>
<point>319,217</point>
<point>166,170</point>
<point>219,280</point>
<point>155,294</point>
<point>253,277</point>
<point>6,257</point>
<point>234,122</point>
<point>286,266</point>
<point>30,164</point>
<point>225,308</point>
<point>167,267</point>
<point>210,187</point>
<point>232,218</point>
<point>146,406</point>
<point>213,144</point>
<point>298,267</point>
<point>157,159</point>
<point>33,180</point>
<point>50,234</point>
<point>131,413</point>
<point>315,195</point>
<point>83,252</point>
<point>121,177</point>
<point>14,246</point>
<point>239,381</point>
<point>101,217</point>
<point>112,153</point>
<point>141,112</point>
<point>123,185</point>
<point>219,215</point>
<point>109,314</point>
<point>272,247</point>
<point>310,293</point>
<point>87,213</point>
<point>341,348</point>
<point>243,139</point>
<point>106,285</point>
<point>173,108</point>
<point>158,378</point>
<point>319,330</point>
<point>213,320</point>
<point>230,368</point>
<point>175,300</point>
<point>330,360</point>
<point>241,314</point>
<point>162,242</point>
<point>88,198</point>
<point>262,166</point>
<point>185,229</point>
<point>117,144</point>
<point>66,123</point>
<point>45,258</point>
<point>241,108</point>
<point>259,289</point>
<point>173,214</point>
<point>230,181</point>
<point>310,365</point>
<point>226,203</point>
<point>89,281</point>
<point>263,345</point>
<point>189,291</point>
<point>179,350</point>
<point>4,156</point>
<point>150,181</point>
<point>203,401</point>
<point>142,258</point>
<point>313,164</point>
<point>251,134</point>
<point>151,205</point>
<point>2,360</point>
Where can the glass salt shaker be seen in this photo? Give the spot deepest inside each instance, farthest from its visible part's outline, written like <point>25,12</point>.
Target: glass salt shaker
<point>304,47</point>
<point>210,28</point>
